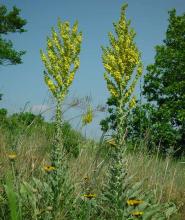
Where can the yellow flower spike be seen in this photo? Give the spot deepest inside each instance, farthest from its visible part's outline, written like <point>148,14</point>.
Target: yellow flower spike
<point>49,168</point>
<point>137,213</point>
<point>62,47</point>
<point>89,196</point>
<point>12,156</point>
<point>121,59</point>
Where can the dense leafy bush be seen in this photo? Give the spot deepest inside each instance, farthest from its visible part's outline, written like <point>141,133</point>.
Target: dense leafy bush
<point>27,123</point>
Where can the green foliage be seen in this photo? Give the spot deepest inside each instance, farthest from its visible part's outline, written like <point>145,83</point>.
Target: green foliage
<point>148,123</point>
<point>109,123</point>
<point>121,207</point>
<point>164,86</point>
<point>72,139</point>
<point>12,197</point>
<point>27,124</point>
<point>10,22</point>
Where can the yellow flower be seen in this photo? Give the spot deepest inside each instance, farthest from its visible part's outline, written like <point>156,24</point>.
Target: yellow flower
<point>67,66</point>
<point>43,57</point>
<point>127,78</point>
<point>107,67</point>
<point>70,78</point>
<point>89,196</point>
<point>134,202</point>
<point>132,103</point>
<point>86,178</point>
<point>12,156</point>
<point>88,116</point>
<point>112,58</point>
<point>126,94</point>
<point>112,89</point>
<point>76,64</point>
<point>117,48</point>
<point>137,213</point>
<point>59,80</point>
<point>49,44</point>
<point>51,85</point>
<point>117,76</point>
<point>49,168</point>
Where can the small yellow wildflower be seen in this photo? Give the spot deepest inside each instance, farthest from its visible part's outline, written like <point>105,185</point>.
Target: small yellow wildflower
<point>70,78</point>
<point>49,168</point>
<point>76,63</point>
<point>134,202</point>
<point>59,80</point>
<point>86,178</point>
<point>12,156</point>
<point>137,213</point>
<point>89,196</point>
<point>107,67</point>
<point>87,117</point>
<point>132,103</point>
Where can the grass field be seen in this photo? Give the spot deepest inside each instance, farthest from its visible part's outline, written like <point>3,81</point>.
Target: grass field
<point>162,177</point>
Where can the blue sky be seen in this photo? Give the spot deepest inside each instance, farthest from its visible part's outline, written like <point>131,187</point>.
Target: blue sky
<point>24,83</point>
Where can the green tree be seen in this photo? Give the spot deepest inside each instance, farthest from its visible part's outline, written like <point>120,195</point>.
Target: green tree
<point>10,22</point>
<point>164,85</point>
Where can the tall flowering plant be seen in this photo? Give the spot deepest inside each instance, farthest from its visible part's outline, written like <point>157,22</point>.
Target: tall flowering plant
<point>61,61</point>
<point>120,199</point>
<point>123,68</point>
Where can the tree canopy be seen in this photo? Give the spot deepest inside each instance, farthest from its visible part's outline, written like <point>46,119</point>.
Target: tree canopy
<point>10,22</point>
<point>164,84</point>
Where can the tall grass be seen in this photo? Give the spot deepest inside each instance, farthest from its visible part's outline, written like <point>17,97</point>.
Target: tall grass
<point>162,177</point>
